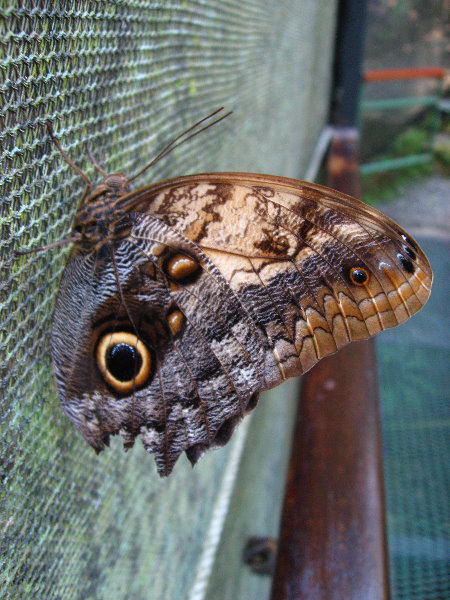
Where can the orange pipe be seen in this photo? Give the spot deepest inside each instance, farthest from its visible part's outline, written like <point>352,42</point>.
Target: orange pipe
<point>395,74</point>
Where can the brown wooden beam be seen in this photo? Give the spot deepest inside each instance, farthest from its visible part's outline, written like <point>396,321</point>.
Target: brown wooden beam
<point>332,541</point>
<point>331,544</point>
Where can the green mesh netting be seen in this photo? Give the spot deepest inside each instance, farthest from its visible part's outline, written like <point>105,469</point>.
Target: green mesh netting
<point>127,76</point>
<point>416,435</point>
<point>414,385</point>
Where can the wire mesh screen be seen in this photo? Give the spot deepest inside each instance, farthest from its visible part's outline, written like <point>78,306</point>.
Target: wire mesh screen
<point>417,450</point>
<point>127,76</point>
<point>414,384</point>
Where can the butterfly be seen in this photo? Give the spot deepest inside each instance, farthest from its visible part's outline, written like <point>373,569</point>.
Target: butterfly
<point>182,301</point>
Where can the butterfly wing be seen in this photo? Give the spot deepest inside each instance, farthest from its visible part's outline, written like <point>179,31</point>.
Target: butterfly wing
<point>315,268</point>
<point>229,283</point>
<point>204,353</point>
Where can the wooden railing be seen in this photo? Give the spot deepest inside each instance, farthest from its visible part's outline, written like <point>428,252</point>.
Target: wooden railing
<point>332,543</point>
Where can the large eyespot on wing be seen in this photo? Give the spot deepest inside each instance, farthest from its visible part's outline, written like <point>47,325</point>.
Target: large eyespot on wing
<point>124,360</point>
<point>91,384</point>
<point>314,267</point>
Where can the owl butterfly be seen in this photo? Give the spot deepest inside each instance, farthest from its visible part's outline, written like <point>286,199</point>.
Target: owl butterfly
<point>182,301</point>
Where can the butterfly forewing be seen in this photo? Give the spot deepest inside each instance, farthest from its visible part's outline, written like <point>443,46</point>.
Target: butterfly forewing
<point>287,249</point>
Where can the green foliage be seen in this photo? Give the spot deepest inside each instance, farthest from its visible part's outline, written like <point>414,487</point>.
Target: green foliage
<point>384,186</point>
<point>442,155</point>
<point>442,146</point>
<point>412,141</point>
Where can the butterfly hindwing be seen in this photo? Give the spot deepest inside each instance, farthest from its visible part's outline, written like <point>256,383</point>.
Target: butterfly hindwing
<point>207,357</point>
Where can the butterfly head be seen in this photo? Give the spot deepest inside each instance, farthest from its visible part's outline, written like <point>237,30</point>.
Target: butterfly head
<point>100,217</point>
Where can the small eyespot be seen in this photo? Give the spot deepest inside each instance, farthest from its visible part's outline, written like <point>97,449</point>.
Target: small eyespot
<point>124,361</point>
<point>181,266</point>
<point>406,264</point>
<point>409,252</point>
<point>175,321</point>
<point>408,240</point>
<point>359,276</point>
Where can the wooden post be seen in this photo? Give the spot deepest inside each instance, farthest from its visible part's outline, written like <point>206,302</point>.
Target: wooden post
<point>332,539</point>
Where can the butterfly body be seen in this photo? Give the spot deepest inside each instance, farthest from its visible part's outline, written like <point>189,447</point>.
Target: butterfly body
<point>184,300</point>
<point>100,218</point>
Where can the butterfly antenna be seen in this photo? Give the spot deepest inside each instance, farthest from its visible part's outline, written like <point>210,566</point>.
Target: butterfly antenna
<point>64,155</point>
<point>93,161</point>
<point>178,140</point>
<point>71,240</point>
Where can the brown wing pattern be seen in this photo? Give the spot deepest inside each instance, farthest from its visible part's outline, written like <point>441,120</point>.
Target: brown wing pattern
<point>223,285</point>
<point>287,249</point>
<point>206,372</point>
